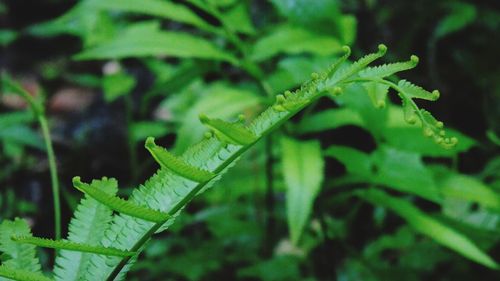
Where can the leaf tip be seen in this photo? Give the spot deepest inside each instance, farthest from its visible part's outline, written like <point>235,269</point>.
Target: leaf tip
<point>150,143</point>
<point>382,49</point>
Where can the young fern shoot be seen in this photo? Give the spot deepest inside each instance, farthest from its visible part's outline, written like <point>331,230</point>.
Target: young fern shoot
<point>153,206</point>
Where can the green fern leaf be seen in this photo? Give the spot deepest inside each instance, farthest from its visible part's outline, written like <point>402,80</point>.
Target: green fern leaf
<point>21,275</point>
<point>233,133</point>
<point>167,191</point>
<point>408,110</point>
<point>87,226</point>
<point>14,255</point>
<point>385,70</point>
<point>335,66</point>
<point>176,164</point>
<point>414,91</point>
<point>71,246</point>
<point>377,93</point>
<point>119,204</point>
<point>357,66</point>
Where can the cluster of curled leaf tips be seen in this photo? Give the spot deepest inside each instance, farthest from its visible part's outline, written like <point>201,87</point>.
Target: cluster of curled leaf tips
<point>195,175</point>
<point>339,75</point>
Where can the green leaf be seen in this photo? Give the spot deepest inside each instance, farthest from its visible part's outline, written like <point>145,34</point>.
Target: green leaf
<point>409,139</point>
<point>229,132</point>
<point>177,165</point>
<point>214,103</point>
<point>467,188</point>
<point>88,225</point>
<point>414,91</point>
<point>7,36</point>
<point>330,119</point>
<point>146,39</point>
<point>157,8</point>
<point>22,134</point>
<point>425,224</point>
<point>20,275</point>
<point>91,25</point>
<point>405,172</point>
<point>377,93</point>
<point>294,40</point>
<point>239,18</point>
<point>119,204</point>
<point>14,255</point>
<point>385,70</point>
<point>303,172</point>
<point>117,85</point>
<point>461,15</point>
<point>356,162</point>
<point>144,129</point>
<point>70,246</point>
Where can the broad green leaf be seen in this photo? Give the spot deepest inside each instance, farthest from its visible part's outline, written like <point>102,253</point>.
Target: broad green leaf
<point>303,172</point>
<point>88,23</point>
<point>14,255</point>
<point>409,138</point>
<point>405,172</point>
<point>294,40</point>
<point>279,268</point>
<point>22,134</point>
<point>356,162</point>
<point>461,15</point>
<point>143,129</point>
<point>146,39</point>
<point>319,15</point>
<point>468,188</point>
<point>214,103</point>
<point>157,8</point>
<point>16,118</point>
<point>427,225</point>
<point>117,85</point>
<point>7,36</point>
<point>329,119</point>
<point>239,18</point>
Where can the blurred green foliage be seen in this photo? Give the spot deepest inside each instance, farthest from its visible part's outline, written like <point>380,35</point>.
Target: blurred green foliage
<point>343,192</point>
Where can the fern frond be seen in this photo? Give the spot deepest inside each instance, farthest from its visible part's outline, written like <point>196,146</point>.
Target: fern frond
<point>119,204</point>
<point>71,246</point>
<point>377,93</point>
<point>385,70</point>
<point>169,161</point>
<point>335,66</point>
<point>88,225</point>
<point>357,66</point>
<point>234,133</point>
<point>414,91</point>
<point>169,192</point>
<point>21,275</point>
<point>17,256</point>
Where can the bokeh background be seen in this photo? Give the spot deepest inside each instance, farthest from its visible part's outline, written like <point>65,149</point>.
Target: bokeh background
<point>103,100</point>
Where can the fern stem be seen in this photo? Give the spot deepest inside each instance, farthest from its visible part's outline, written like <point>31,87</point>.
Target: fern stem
<point>71,246</point>
<point>39,112</point>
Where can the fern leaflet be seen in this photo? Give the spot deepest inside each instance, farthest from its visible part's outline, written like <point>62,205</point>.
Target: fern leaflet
<point>234,133</point>
<point>176,164</point>
<point>385,70</point>
<point>21,275</point>
<point>17,256</point>
<point>414,91</point>
<point>119,204</point>
<point>71,246</point>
